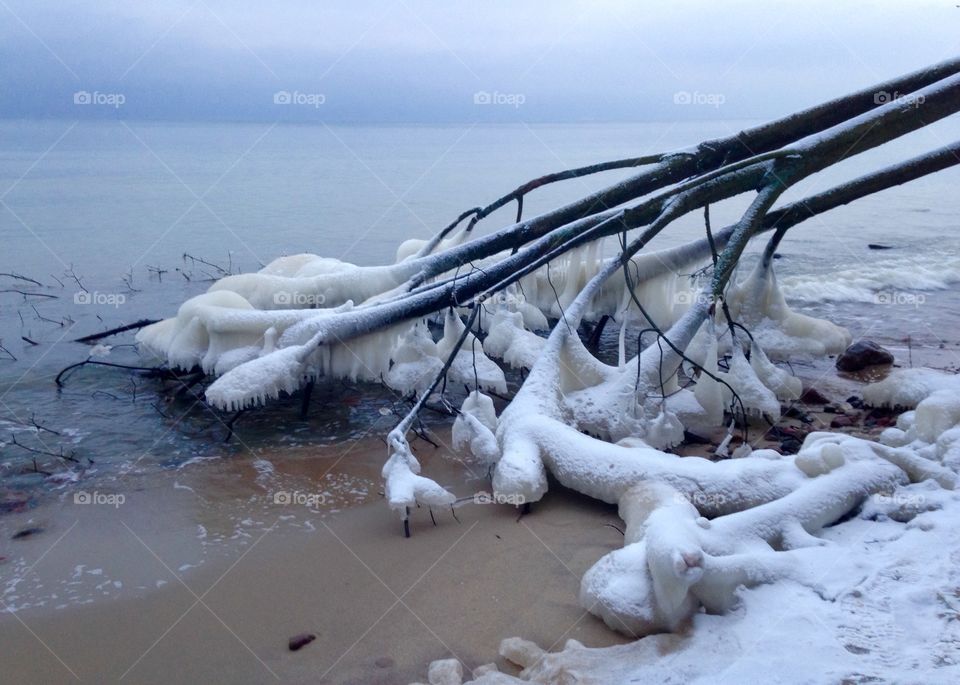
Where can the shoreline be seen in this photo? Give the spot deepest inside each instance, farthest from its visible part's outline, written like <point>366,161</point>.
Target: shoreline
<point>202,573</point>
<point>213,538</point>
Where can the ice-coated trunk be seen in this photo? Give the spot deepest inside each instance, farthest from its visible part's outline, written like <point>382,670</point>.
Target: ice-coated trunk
<point>682,561</point>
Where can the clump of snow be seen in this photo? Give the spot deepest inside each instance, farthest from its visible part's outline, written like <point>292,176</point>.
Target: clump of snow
<point>936,414</point>
<point>507,339</point>
<point>475,428</point>
<point>445,672</point>
<point>908,387</point>
<point>405,488</point>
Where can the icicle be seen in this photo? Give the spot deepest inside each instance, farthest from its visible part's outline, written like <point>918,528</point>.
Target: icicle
<point>259,380</point>
<point>785,386</point>
<point>709,392</point>
<point>723,449</point>
<point>756,397</point>
<point>622,343</point>
<point>664,431</point>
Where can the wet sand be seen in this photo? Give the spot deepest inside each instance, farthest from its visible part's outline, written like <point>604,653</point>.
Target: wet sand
<point>205,571</point>
<point>381,606</point>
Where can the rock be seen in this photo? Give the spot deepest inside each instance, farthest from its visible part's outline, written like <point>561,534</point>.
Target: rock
<point>521,652</point>
<point>14,502</point>
<point>792,412</point>
<point>881,416</point>
<point>300,641</point>
<point>878,246</point>
<point>445,672</point>
<point>790,446</point>
<point>844,421</point>
<point>855,402</point>
<point>694,439</point>
<point>813,396</point>
<point>485,669</point>
<point>783,432</point>
<point>862,354</point>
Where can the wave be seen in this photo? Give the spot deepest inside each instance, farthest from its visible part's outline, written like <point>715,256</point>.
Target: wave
<point>865,283</point>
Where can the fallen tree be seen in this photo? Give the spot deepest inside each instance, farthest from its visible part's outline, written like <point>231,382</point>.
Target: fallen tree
<point>697,527</point>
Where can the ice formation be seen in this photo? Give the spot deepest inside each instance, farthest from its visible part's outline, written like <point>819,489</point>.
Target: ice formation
<point>697,530</point>
<point>475,427</point>
<point>305,317</point>
<point>908,387</point>
<point>405,488</point>
<point>785,553</point>
<point>758,303</point>
<point>701,534</point>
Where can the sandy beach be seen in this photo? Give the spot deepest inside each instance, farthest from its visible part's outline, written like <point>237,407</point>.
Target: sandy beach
<point>204,571</point>
<point>381,606</point>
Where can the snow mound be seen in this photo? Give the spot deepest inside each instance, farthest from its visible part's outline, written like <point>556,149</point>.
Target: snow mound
<point>908,387</point>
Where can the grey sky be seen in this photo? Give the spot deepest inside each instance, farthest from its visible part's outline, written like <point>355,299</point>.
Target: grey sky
<point>413,61</point>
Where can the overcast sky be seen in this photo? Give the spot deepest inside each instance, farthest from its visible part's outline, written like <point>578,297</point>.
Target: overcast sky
<point>442,60</point>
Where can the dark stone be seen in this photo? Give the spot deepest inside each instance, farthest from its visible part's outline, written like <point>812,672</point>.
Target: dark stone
<point>878,246</point>
<point>786,433</point>
<point>855,649</point>
<point>882,417</point>
<point>790,446</point>
<point>843,421</point>
<point>300,641</point>
<point>855,402</point>
<point>694,439</point>
<point>813,396</point>
<point>862,354</point>
<point>14,502</point>
<point>792,412</point>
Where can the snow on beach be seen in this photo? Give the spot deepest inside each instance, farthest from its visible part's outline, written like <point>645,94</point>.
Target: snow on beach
<point>873,598</point>
<point>706,540</point>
